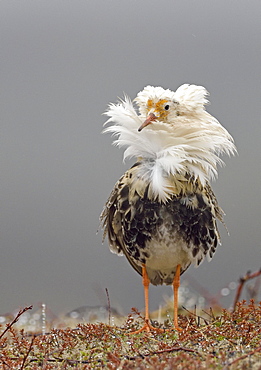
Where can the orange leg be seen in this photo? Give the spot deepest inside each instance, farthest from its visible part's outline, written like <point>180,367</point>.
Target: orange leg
<point>175,284</point>
<point>146,282</point>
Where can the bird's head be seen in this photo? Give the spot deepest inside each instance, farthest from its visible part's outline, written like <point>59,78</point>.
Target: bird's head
<point>156,104</point>
<point>164,105</point>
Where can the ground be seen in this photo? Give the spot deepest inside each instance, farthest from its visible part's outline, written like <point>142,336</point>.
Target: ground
<point>225,340</point>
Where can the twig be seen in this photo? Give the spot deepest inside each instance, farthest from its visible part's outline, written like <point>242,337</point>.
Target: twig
<point>195,315</point>
<point>172,349</point>
<point>253,290</point>
<point>244,356</point>
<point>242,281</point>
<point>5,364</point>
<point>27,353</point>
<point>109,305</point>
<point>211,314</point>
<point>8,326</point>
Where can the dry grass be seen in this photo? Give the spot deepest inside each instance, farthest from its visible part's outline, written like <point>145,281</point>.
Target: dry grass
<point>230,340</point>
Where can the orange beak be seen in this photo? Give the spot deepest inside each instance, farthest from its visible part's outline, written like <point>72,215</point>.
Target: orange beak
<point>151,117</point>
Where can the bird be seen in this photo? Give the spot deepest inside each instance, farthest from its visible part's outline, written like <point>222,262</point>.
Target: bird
<point>162,213</point>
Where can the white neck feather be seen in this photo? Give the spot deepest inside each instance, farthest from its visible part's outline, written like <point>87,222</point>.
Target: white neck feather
<point>191,145</point>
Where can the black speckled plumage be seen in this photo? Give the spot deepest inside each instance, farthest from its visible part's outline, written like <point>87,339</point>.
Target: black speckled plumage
<point>137,226</point>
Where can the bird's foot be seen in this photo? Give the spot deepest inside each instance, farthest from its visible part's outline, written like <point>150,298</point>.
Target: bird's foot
<point>148,328</point>
<point>175,326</point>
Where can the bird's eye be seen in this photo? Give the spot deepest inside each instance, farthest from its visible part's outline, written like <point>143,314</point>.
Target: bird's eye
<point>166,107</point>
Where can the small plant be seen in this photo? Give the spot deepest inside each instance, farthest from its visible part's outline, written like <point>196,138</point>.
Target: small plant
<point>231,340</point>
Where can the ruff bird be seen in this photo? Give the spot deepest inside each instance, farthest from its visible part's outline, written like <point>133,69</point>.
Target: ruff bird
<point>162,213</point>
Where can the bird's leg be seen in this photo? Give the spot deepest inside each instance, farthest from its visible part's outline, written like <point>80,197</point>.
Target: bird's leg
<point>146,282</point>
<point>175,284</point>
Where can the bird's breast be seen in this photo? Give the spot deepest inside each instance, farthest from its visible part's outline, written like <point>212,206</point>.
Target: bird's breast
<point>166,249</point>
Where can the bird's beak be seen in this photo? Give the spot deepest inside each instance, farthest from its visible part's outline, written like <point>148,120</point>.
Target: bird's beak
<point>151,117</point>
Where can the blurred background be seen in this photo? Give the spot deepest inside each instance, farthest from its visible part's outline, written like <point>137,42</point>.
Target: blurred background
<point>61,63</point>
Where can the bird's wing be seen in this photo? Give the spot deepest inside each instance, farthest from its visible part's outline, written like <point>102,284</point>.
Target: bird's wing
<point>112,217</point>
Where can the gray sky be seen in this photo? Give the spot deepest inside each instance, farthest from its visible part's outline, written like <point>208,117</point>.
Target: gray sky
<point>61,63</point>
